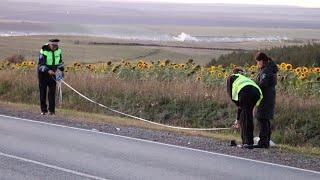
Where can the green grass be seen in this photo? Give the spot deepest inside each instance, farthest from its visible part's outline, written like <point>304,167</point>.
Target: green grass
<point>306,55</point>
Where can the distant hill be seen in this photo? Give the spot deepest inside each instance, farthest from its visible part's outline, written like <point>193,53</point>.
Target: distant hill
<point>99,12</point>
<point>306,55</point>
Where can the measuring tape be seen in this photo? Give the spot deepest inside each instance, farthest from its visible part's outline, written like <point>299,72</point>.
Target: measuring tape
<point>59,79</point>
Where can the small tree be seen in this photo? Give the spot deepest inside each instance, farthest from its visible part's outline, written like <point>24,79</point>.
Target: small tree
<point>16,58</point>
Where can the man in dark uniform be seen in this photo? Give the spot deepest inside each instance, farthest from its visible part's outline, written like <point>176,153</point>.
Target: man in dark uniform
<point>267,80</point>
<point>50,60</point>
<point>246,94</point>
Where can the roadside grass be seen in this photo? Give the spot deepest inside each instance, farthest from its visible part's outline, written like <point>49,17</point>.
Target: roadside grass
<point>98,118</point>
<point>185,102</point>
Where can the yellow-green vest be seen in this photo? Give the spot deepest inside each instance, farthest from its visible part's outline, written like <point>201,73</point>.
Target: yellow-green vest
<point>241,82</point>
<point>53,57</point>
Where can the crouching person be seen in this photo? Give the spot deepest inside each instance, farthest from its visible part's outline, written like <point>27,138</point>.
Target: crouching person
<point>246,94</point>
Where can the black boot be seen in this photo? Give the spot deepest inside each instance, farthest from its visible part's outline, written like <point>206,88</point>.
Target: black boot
<point>260,145</point>
<point>246,146</point>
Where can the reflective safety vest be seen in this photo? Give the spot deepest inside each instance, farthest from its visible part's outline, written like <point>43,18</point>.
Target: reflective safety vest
<point>52,58</point>
<point>241,82</point>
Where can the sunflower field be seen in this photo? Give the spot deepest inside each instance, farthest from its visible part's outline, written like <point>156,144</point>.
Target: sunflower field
<point>302,80</point>
<point>183,94</point>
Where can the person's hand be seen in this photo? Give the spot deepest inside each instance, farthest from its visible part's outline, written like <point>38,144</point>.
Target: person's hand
<point>51,73</point>
<point>236,125</point>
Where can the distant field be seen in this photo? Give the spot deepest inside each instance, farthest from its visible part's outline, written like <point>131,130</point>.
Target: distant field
<point>211,26</point>
<point>302,34</point>
<point>153,30</point>
<point>29,46</point>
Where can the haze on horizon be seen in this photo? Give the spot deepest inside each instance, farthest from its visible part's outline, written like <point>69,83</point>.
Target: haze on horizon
<point>299,3</point>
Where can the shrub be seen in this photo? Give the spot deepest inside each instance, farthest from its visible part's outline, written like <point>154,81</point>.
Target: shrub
<point>16,58</point>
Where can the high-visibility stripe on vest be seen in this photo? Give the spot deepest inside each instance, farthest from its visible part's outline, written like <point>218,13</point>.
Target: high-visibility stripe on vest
<point>53,57</point>
<point>241,82</point>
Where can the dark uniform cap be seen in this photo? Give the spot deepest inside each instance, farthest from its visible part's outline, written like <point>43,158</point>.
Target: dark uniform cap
<point>238,71</point>
<point>54,40</point>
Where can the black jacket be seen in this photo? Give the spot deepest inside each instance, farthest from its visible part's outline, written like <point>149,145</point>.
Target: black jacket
<point>267,80</point>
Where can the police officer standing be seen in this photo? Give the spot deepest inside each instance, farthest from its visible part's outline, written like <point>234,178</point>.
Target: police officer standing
<point>246,94</point>
<point>50,60</point>
<point>267,80</point>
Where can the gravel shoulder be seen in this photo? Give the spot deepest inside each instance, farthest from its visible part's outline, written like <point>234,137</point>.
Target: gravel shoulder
<point>274,155</point>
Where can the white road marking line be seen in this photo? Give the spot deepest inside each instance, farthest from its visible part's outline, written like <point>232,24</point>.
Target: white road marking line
<point>159,143</point>
<point>53,166</point>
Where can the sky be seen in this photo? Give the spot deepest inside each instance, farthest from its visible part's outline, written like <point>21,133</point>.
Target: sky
<point>302,3</point>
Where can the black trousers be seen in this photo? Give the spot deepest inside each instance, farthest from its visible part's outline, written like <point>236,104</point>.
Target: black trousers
<point>248,98</point>
<point>47,82</point>
<point>265,132</point>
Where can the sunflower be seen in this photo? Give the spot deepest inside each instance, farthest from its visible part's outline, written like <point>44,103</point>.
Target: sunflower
<point>31,63</point>
<point>283,66</point>
<point>127,64</point>
<point>176,66</point>
<point>142,65</point>
<point>69,68</point>
<point>162,65</point>
<point>198,78</point>
<point>252,68</point>
<point>298,70</point>
<point>212,68</point>
<point>77,65</point>
<point>305,70</point>
<point>317,70</point>
<point>220,75</point>
<point>303,76</point>
<point>226,75</point>
<point>318,79</point>
<point>89,66</point>
<point>140,62</point>
<point>234,66</point>
<point>289,67</point>
<point>182,66</point>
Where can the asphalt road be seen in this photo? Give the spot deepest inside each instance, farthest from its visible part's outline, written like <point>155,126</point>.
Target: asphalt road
<point>34,150</point>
